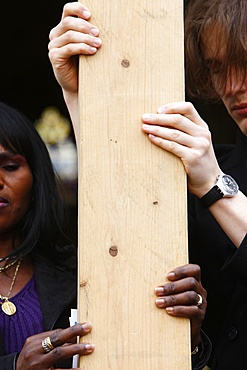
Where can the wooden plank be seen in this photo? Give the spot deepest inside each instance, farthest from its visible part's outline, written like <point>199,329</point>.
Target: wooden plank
<point>132,195</point>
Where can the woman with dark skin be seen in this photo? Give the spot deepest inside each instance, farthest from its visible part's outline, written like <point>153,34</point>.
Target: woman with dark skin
<point>75,35</point>
<point>33,269</point>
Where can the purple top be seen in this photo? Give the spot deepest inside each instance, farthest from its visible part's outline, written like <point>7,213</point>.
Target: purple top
<point>25,322</point>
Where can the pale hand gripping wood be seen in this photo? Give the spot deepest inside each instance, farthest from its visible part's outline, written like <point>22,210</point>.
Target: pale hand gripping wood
<point>132,195</point>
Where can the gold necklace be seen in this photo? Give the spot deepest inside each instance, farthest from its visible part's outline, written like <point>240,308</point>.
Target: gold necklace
<point>8,307</point>
<point>7,266</point>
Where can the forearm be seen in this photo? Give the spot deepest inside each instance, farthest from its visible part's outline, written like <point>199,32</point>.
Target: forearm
<point>231,215</point>
<point>71,100</point>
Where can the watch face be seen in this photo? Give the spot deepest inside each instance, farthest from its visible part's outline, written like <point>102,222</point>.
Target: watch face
<point>229,184</point>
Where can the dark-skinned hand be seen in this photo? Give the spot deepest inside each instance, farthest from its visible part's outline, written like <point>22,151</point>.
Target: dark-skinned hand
<point>179,297</point>
<point>65,345</point>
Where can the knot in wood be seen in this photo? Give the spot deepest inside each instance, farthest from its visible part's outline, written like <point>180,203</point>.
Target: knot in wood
<point>125,63</point>
<point>113,251</point>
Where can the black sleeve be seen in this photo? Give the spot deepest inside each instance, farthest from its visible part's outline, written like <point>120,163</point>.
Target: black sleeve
<point>8,362</point>
<point>200,359</point>
<point>236,264</point>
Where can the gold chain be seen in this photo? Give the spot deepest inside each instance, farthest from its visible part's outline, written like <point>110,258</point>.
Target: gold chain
<point>12,283</point>
<point>7,266</point>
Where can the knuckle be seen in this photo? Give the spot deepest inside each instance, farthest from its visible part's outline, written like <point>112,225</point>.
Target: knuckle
<point>51,35</point>
<point>30,357</point>
<point>66,23</point>
<point>68,35</point>
<point>197,268</point>
<point>177,119</point>
<point>74,329</point>
<point>173,146</point>
<point>55,338</point>
<point>206,139</point>
<point>198,153</point>
<point>208,134</point>
<point>171,300</point>
<point>66,7</point>
<point>28,341</point>
<point>204,144</point>
<point>182,271</point>
<point>51,55</point>
<point>190,106</point>
<point>192,297</point>
<point>33,366</point>
<point>192,283</point>
<point>57,353</point>
<point>171,287</point>
<point>176,134</point>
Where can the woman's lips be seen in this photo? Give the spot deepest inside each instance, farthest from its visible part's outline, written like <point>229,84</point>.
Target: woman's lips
<point>3,202</point>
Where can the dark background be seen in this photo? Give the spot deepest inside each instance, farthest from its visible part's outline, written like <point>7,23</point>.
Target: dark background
<point>26,79</point>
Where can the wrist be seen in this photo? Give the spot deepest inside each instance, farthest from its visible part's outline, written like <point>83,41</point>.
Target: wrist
<point>199,188</point>
<point>195,341</point>
<point>225,186</point>
<point>71,100</point>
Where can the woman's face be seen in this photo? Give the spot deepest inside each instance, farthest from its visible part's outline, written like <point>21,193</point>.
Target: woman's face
<point>16,182</point>
<point>235,94</point>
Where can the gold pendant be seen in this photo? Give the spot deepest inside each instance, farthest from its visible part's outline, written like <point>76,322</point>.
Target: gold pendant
<point>8,308</point>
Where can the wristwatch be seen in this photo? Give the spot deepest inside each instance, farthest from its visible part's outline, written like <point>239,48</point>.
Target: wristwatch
<point>225,186</point>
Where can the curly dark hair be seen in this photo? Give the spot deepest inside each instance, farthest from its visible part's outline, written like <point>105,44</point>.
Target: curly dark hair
<point>222,17</point>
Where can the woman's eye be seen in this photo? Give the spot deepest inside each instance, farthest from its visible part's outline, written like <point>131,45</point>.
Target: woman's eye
<point>11,167</point>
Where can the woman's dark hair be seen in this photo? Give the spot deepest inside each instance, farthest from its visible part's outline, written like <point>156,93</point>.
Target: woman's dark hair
<point>228,18</point>
<point>41,225</point>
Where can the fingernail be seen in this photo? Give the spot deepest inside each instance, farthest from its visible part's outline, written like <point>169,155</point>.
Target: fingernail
<point>147,117</point>
<point>160,302</point>
<point>87,326</point>
<point>97,42</point>
<point>86,14</point>
<point>169,310</point>
<point>170,275</point>
<point>159,290</point>
<point>161,110</point>
<point>92,50</point>
<point>89,347</point>
<point>94,31</point>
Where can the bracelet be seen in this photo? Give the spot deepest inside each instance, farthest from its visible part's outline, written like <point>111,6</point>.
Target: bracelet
<point>195,351</point>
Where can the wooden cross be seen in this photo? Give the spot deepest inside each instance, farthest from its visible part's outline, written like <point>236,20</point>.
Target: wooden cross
<point>132,195</point>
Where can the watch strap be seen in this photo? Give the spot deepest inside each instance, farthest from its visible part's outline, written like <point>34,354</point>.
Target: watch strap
<point>212,196</point>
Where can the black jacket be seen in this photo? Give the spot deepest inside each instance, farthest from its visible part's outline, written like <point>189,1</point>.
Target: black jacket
<point>56,286</point>
<point>224,269</point>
